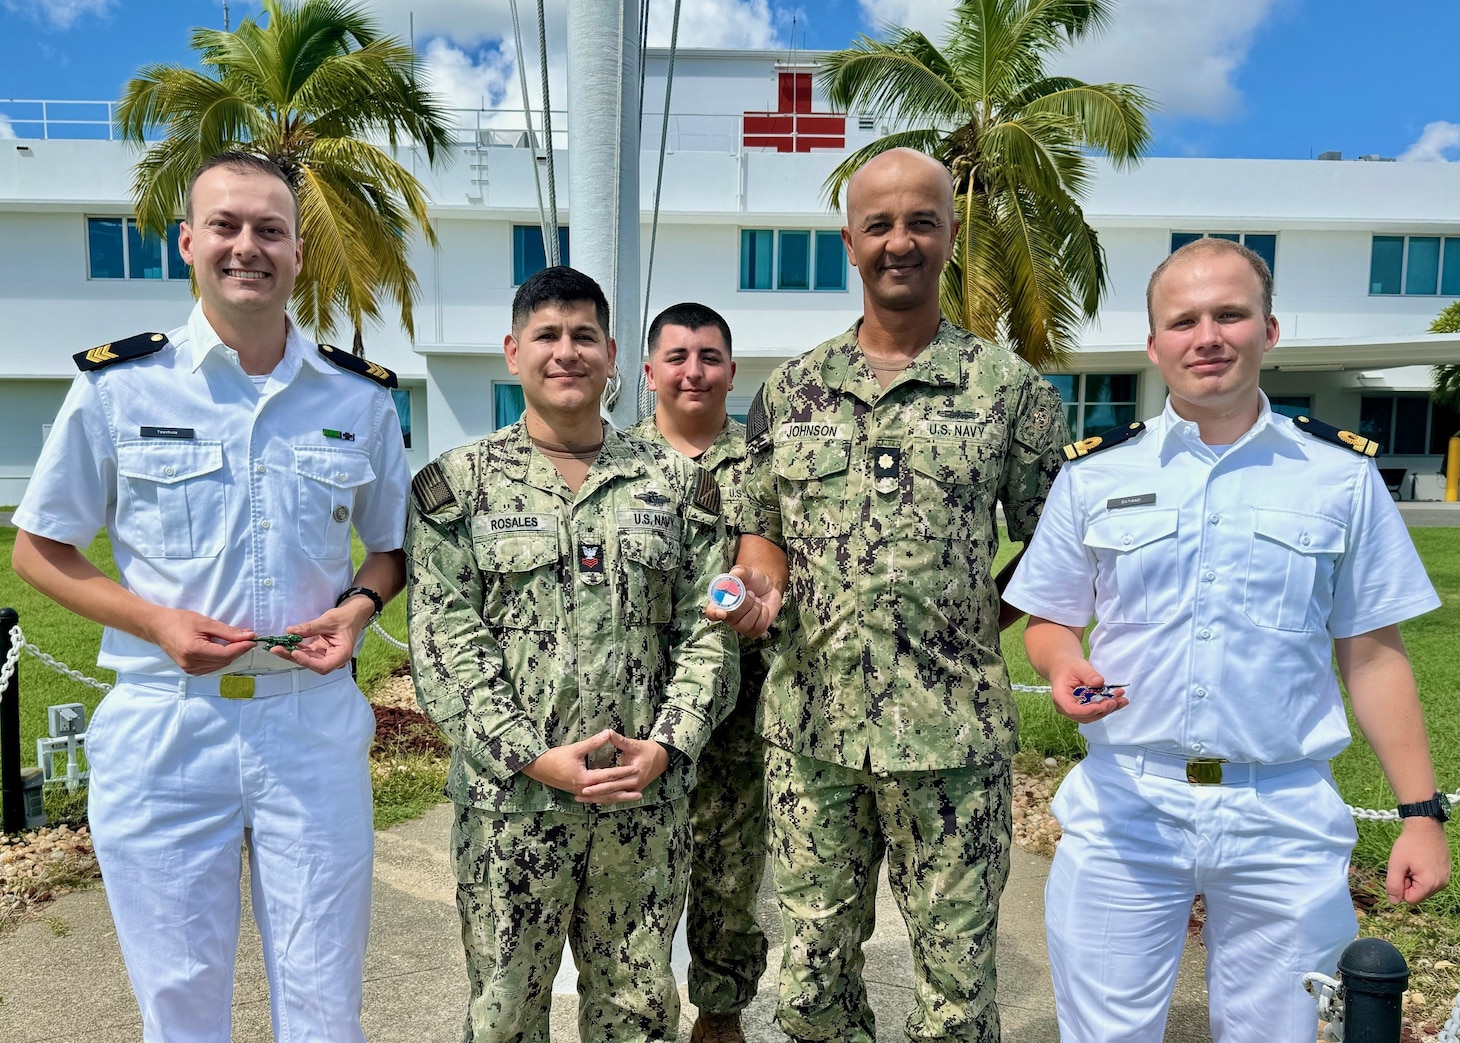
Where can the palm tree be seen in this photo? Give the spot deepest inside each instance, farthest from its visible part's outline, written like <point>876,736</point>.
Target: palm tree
<point>1446,391</point>
<point>317,90</point>
<point>1027,268</point>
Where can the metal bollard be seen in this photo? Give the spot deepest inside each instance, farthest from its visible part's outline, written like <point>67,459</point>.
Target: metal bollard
<point>12,786</point>
<point>1374,977</point>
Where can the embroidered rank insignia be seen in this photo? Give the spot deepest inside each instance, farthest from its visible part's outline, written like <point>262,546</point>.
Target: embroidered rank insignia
<point>367,369</point>
<point>590,557</point>
<point>1358,443</point>
<point>886,467</point>
<point>707,491</point>
<point>430,490</point>
<point>757,421</point>
<point>140,346</point>
<point>1104,440</point>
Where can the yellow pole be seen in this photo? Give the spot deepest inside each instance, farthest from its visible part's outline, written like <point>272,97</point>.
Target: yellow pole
<point>1452,471</point>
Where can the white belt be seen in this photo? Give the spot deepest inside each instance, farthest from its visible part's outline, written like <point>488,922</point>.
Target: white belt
<point>1199,771</point>
<point>236,686</point>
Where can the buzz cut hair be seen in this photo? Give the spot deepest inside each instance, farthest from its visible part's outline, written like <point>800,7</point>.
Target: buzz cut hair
<point>558,286</point>
<point>692,316</point>
<point>1204,247</point>
<point>241,162</point>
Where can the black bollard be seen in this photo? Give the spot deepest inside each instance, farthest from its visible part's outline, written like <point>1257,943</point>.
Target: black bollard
<point>1374,977</point>
<point>12,788</point>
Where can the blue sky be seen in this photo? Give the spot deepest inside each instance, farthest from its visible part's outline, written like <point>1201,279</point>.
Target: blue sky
<point>1249,78</point>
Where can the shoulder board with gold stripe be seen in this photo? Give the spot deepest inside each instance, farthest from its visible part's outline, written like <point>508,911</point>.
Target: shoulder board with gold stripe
<point>367,369</point>
<point>1329,433</point>
<point>430,490</point>
<point>140,346</point>
<point>1104,440</point>
<point>707,491</point>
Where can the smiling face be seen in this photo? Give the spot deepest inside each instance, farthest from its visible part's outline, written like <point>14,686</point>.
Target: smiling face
<point>563,358</point>
<point>242,242</point>
<point>1209,333</point>
<point>691,372</point>
<point>900,229</point>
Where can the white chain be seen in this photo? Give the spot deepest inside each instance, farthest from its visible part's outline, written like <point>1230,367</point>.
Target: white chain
<point>7,669</point>
<point>18,641</point>
<point>1327,992</point>
<point>381,633</point>
<point>1451,1032</point>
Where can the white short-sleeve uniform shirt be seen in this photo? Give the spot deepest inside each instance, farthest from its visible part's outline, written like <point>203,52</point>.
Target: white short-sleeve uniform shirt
<point>1218,582</point>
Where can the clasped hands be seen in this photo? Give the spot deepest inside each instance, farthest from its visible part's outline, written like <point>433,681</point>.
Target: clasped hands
<point>638,763</point>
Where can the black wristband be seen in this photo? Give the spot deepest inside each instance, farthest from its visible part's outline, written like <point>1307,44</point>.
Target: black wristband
<point>374,597</point>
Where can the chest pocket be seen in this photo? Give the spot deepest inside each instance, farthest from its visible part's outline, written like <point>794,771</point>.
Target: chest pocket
<point>953,488</point>
<point>328,480</point>
<point>813,480</point>
<point>649,561</point>
<point>1291,563</point>
<point>171,497</point>
<point>1140,548</point>
<point>523,589</point>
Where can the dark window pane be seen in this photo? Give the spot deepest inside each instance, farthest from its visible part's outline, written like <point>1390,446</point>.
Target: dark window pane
<point>831,262</point>
<point>1264,246</point>
<point>795,271</point>
<point>403,411</point>
<point>1102,416</point>
<point>104,247</point>
<point>1290,405</point>
<point>1071,421</point>
<point>1386,262</point>
<point>755,259</point>
<point>1067,384</point>
<point>507,404</point>
<point>144,253</point>
<point>1376,417</point>
<point>528,255</point>
<point>1410,414</point>
<point>1450,274</point>
<point>1110,387</point>
<point>1423,274</point>
<point>1231,237</point>
<point>1180,239</point>
<point>177,268</point>
<point>1443,425</point>
<point>564,255</point>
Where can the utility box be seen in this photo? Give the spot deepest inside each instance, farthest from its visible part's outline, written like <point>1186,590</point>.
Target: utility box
<point>32,783</point>
<point>66,719</point>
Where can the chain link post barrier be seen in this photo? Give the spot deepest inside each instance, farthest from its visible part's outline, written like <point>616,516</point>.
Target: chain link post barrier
<point>1373,976</point>
<point>12,791</point>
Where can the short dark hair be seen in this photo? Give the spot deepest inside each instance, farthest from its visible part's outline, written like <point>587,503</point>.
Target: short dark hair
<point>243,163</point>
<point>560,285</point>
<point>1212,245</point>
<point>691,316</point>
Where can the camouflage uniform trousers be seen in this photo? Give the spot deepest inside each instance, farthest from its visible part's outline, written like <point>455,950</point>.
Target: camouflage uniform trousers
<point>946,834</point>
<point>727,814</point>
<point>611,883</point>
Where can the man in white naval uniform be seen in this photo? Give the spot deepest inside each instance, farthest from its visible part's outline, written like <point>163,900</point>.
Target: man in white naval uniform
<point>1227,553</point>
<point>228,462</point>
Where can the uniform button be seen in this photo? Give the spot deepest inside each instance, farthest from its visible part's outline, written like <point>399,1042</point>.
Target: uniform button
<point>1201,692</point>
<point>1204,634</point>
<point>1126,539</point>
<point>260,469</point>
<point>1197,747</point>
<point>266,525</point>
<point>1209,576</point>
<point>169,471</point>
<point>1305,539</point>
<point>1215,519</point>
<point>268,583</point>
<point>341,475</point>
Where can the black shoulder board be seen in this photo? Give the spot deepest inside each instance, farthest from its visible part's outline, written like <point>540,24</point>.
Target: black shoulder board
<point>367,369</point>
<point>707,492</point>
<point>430,490</point>
<point>1329,433</point>
<point>757,422</point>
<point>1104,440</point>
<point>137,347</point>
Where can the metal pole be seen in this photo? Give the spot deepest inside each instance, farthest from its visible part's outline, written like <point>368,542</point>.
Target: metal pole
<point>1374,977</point>
<point>12,792</point>
<point>603,177</point>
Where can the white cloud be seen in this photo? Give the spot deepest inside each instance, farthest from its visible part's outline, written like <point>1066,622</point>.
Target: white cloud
<point>59,14</point>
<point>1184,55</point>
<point>714,23</point>
<point>1437,138</point>
<point>7,131</point>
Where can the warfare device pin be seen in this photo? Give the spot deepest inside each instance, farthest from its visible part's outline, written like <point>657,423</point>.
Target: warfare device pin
<point>1095,693</point>
<point>289,641</point>
<point>727,592</point>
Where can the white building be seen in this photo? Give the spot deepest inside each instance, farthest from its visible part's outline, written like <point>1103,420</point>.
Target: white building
<point>1365,255</point>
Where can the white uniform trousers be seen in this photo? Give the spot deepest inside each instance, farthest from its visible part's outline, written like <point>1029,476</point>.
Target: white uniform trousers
<point>1270,854</point>
<point>181,779</point>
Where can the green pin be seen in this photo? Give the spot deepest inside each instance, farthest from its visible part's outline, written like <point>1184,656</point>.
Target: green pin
<point>289,641</point>
<point>347,436</point>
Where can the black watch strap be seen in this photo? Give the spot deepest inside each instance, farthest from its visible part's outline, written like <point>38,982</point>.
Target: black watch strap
<point>1437,807</point>
<point>374,597</point>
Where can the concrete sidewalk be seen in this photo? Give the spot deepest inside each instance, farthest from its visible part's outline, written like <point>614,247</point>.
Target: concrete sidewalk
<point>62,979</point>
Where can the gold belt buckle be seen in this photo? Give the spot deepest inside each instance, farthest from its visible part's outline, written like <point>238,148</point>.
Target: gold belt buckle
<point>236,686</point>
<point>1205,771</point>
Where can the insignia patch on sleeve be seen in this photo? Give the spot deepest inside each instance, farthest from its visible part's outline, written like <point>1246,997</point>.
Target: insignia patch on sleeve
<point>430,490</point>
<point>1104,440</point>
<point>1358,443</point>
<point>757,421</point>
<point>707,492</point>
<point>364,367</point>
<point>140,346</point>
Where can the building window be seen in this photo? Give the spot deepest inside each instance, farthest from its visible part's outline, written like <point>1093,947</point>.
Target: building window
<point>117,249</point>
<point>1407,424</point>
<point>1291,405</point>
<point>528,255</point>
<point>402,397</point>
<point>1415,265</point>
<point>507,404</point>
<point>792,259</point>
<point>1096,402</point>
<point>1263,244</point>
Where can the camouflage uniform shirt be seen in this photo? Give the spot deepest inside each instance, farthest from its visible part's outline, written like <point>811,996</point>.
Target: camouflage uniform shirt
<point>884,503</point>
<point>539,617</point>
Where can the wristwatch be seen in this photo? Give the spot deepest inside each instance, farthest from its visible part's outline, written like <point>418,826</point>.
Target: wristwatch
<point>374,597</point>
<point>1437,807</point>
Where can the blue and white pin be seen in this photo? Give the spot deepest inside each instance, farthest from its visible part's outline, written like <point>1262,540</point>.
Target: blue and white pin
<point>727,592</point>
